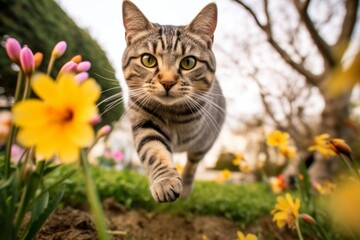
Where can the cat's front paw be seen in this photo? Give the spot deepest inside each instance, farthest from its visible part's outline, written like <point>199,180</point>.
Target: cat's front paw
<point>166,189</point>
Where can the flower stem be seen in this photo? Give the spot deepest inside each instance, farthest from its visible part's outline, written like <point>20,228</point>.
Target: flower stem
<point>50,66</point>
<point>18,87</point>
<point>93,199</point>
<point>298,230</point>
<point>354,171</point>
<point>26,88</point>
<point>12,132</point>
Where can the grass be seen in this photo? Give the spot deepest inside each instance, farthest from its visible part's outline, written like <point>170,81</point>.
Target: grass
<point>242,203</point>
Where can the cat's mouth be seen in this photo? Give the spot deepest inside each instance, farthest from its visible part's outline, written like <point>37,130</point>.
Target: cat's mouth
<point>168,99</point>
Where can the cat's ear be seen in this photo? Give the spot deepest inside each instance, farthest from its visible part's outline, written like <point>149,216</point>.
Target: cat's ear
<point>134,20</point>
<point>204,23</point>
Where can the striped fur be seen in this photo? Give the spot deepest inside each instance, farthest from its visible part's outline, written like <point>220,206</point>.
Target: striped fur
<point>188,117</point>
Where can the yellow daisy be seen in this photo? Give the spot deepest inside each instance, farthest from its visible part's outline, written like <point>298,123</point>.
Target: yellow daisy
<point>241,236</point>
<point>225,174</point>
<point>288,151</point>
<point>321,145</point>
<point>277,138</point>
<point>58,124</point>
<point>238,158</point>
<point>286,211</point>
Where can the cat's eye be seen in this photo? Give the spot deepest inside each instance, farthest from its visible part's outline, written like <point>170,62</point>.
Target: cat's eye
<point>188,63</point>
<point>148,60</point>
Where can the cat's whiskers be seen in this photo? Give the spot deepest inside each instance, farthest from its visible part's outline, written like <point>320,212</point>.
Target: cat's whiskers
<point>217,108</point>
<point>207,114</point>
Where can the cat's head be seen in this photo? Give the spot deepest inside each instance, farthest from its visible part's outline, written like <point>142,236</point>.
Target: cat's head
<point>166,63</point>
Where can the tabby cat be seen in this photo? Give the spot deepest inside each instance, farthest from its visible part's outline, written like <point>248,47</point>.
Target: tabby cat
<point>175,102</point>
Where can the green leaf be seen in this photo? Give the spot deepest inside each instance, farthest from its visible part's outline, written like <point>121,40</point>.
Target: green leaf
<point>36,225</point>
<point>39,206</point>
<point>304,187</point>
<point>49,169</point>
<point>8,182</point>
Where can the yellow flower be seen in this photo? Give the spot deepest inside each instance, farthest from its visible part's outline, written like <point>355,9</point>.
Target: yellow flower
<point>326,188</point>
<point>225,174</point>
<point>59,122</point>
<point>286,211</point>
<point>288,151</point>
<point>179,168</point>
<point>321,145</point>
<point>244,167</point>
<point>343,79</point>
<point>241,236</point>
<point>278,184</point>
<point>344,204</point>
<point>277,138</point>
<point>238,158</point>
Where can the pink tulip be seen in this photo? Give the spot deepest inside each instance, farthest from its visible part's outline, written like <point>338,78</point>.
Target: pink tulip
<point>68,67</point>
<point>81,77</point>
<point>27,61</point>
<point>83,66</point>
<point>12,47</point>
<point>59,49</point>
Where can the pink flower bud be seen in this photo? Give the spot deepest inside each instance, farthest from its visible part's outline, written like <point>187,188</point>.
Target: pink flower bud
<point>68,67</point>
<point>105,130</point>
<point>12,47</point>
<point>27,61</point>
<point>59,49</point>
<point>83,66</point>
<point>81,77</point>
<point>95,120</point>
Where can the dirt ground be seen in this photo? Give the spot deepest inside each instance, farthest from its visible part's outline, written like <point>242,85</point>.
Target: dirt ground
<point>74,223</point>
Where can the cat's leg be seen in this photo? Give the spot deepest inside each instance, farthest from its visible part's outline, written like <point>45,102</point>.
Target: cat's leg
<point>188,173</point>
<point>154,149</point>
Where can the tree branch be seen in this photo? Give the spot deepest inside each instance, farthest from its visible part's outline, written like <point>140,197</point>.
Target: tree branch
<point>352,7</point>
<point>311,78</point>
<point>319,42</point>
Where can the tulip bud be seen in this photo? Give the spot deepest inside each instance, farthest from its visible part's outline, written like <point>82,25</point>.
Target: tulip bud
<point>83,66</point>
<point>59,49</point>
<point>307,218</point>
<point>81,77</point>
<point>339,146</point>
<point>68,67</point>
<point>38,58</point>
<point>105,130</point>
<point>12,47</point>
<point>95,120</point>
<point>27,61</point>
<point>77,59</point>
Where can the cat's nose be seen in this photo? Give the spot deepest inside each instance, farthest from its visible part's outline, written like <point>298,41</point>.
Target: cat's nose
<point>168,84</point>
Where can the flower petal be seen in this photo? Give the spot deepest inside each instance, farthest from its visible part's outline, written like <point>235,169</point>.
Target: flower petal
<point>28,137</point>
<point>30,113</point>
<point>90,90</point>
<point>68,153</point>
<point>80,134</point>
<point>44,87</point>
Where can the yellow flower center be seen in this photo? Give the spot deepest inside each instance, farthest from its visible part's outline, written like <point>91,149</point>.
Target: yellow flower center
<point>60,115</point>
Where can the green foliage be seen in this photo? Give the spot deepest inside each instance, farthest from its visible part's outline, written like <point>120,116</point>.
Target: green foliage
<point>242,203</point>
<point>40,24</point>
<point>22,192</point>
